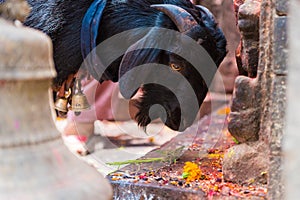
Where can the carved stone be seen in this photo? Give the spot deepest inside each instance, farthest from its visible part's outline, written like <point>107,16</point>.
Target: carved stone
<point>248,23</point>
<point>259,103</point>
<point>244,116</point>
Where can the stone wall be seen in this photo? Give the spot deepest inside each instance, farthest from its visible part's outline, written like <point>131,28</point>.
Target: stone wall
<point>274,73</point>
<point>258,108</point>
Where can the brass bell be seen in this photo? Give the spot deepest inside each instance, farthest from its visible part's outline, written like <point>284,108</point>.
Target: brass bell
<point>61,104</point>
<point>79,100</point>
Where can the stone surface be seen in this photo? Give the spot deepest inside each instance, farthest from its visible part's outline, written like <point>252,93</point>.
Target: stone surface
<point>282,7</point>
<point>244,164</point>
<point>277,115</point>
<point>207,136</point>
<point>248,16</point>
<point>280,45</point>
<point>248,23</point>
<point>35,164</point>
<point>277,187</point>
<point>269,100</point>
<point>274,76</point>
<point>16,42</point>
<point>244,116</point>
<point>131,190</point>
<point>238,50</point>
<point>123,190</point>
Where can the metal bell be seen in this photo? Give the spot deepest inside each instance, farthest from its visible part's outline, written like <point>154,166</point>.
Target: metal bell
<point>61,104</point>
<point>79,100</point>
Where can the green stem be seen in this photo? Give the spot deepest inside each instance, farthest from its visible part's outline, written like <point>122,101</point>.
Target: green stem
<point>136,161</point>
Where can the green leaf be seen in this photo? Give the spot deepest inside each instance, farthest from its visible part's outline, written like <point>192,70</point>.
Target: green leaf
<point>235,140</point>
<point>185,174</point>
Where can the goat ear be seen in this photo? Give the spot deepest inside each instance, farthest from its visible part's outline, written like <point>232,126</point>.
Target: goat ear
<point>131,75</point>
<point>90,26</point>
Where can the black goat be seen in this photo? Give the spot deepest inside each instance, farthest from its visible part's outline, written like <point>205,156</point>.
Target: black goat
<point>62,21</point>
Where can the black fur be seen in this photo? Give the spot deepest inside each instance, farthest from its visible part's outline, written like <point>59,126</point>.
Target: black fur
<point>61,20</point>
<point>125,15</point>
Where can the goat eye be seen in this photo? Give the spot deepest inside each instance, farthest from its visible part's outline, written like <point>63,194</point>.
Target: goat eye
<point>175,67</point>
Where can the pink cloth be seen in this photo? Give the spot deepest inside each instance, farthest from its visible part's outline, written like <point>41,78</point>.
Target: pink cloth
<point>99,97</point>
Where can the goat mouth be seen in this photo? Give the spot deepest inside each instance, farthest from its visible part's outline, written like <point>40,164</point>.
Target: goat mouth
<point>175,123</point>
<point>178,124</point>
<point>144,115</point>
<point>156,101</point>
<point>145,119</point>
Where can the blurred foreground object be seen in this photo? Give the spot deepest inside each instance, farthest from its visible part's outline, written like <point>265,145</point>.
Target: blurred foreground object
<point>14,9</point>
<point>35,164</point>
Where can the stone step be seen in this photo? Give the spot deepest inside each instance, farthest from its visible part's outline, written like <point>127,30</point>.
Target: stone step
<point>203,143</point>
